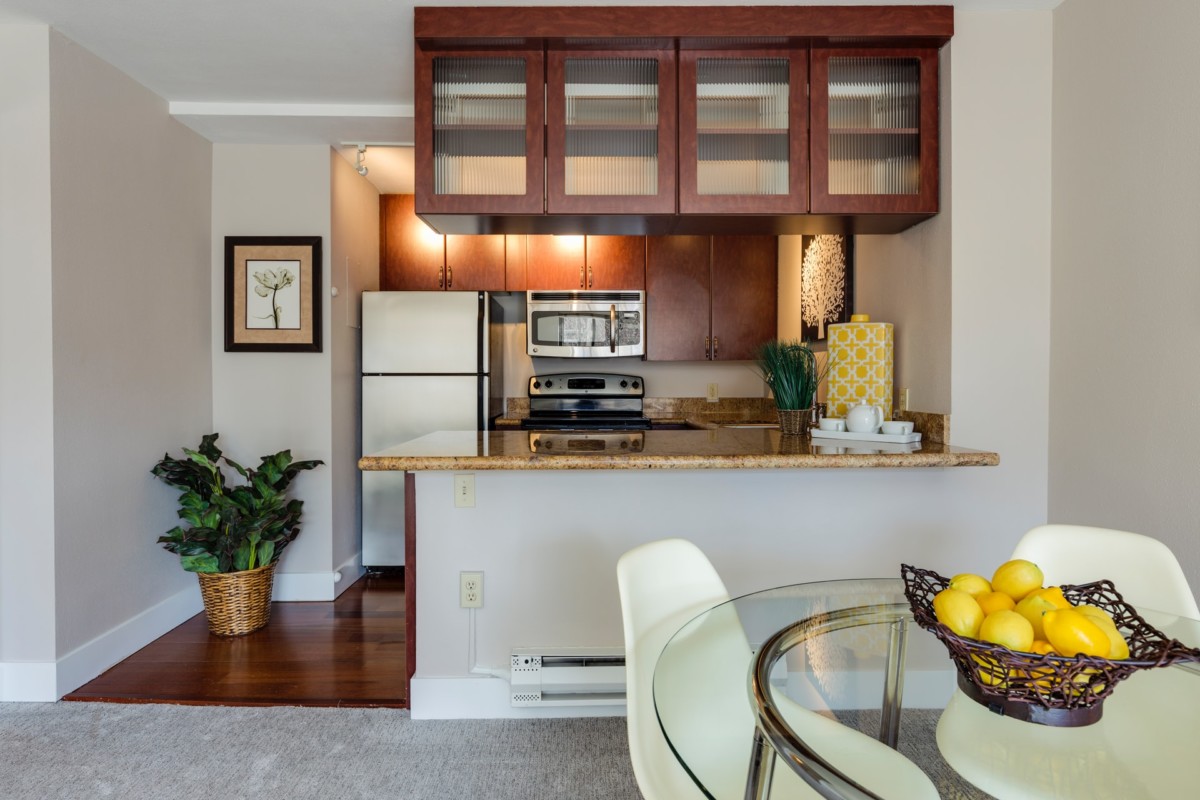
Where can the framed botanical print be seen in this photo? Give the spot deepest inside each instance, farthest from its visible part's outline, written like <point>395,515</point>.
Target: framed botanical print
<point>273,294</point>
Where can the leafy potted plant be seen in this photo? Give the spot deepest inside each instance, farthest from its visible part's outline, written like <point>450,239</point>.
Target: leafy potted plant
<point>791,371</point>
<point>236,532</point>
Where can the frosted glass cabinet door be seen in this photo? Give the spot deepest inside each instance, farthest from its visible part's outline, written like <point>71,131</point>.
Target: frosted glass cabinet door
<point>610,132</point>
<point>743,131</point>
<point>874,131</point>
<point>479,143</point>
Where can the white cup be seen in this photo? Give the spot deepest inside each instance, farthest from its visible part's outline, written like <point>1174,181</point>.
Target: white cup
<point>832,424</point>
<point>894,427</point>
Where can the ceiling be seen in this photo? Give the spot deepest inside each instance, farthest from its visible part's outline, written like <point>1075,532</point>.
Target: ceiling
<point>337,72</point>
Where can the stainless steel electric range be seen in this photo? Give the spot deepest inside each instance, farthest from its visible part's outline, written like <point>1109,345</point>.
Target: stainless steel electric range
<point>586,412</point>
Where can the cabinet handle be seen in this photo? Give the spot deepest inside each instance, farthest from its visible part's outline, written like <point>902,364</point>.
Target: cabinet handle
<point>449,277</point>
<point>591,283</point>
<point>716,344</point>
<point>581,277</point>
<point>441,278</point>
<point>707,345</point>
<point>612,328</point>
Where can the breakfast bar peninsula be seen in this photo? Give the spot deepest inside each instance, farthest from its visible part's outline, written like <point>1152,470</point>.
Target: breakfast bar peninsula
<point>545,516</point>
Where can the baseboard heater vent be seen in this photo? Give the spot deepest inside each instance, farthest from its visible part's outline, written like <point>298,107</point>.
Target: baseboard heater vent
<point>568,676</point>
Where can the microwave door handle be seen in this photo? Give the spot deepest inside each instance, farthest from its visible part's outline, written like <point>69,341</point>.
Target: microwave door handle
<point>612,328</point>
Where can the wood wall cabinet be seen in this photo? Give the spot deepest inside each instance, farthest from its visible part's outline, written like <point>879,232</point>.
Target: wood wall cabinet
<point>479,134</point>
<point>743,131</point>
<point>585,262</point>
<point>413,257</point>
<point>610,131</point>
<point>874,131</point>
<point>709,298</point>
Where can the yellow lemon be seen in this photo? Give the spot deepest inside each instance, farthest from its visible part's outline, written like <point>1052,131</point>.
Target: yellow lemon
<point>1031,607</point>
<point>1118,647</point>
<point>1017,578</point>
<point>1007,628</point>
<point>990,671</point>
<point>1054,594</point>
<point>958,611</point>
<point>1072,633</point>
<point>973,585</point>
<point>994,601</point>
<point>1042,648</point>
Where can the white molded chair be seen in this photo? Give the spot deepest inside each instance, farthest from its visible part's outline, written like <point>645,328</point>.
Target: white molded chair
<point>1144,570</point>
<point>665,584</point>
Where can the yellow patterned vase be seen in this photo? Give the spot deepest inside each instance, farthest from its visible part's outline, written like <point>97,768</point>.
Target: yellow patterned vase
<point>861,355</point>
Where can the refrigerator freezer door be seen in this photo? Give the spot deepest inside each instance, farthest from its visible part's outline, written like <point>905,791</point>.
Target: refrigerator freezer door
<point>424,333</point>
<point>396,409</point>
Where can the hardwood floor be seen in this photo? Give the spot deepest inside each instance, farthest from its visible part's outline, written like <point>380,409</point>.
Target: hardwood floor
<point>349,652</point>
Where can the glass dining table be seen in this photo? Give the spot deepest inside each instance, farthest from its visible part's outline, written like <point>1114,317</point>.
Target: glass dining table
<point>736,688</point>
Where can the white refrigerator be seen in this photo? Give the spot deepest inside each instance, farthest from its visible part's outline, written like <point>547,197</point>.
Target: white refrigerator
<point>431,361</point>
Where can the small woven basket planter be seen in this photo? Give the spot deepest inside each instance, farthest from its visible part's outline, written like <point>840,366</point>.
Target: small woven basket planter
<point>794,422</point>
<point>237,603</point>
<point>1045,689</point>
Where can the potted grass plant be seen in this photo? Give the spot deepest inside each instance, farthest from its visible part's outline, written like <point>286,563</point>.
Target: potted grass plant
<point>235,532</point>
<point>791,371</point>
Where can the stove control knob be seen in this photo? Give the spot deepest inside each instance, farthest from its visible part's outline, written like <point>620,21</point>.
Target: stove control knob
<point>637,385</point>
<point>624,384</point>
<point>537,384</point>
<point>549,384</point>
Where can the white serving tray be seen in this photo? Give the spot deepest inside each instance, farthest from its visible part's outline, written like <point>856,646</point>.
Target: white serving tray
<point>898,438</point>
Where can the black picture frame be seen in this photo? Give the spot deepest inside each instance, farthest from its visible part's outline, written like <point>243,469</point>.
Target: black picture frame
<point>810,332</point>
<point>273,294</point>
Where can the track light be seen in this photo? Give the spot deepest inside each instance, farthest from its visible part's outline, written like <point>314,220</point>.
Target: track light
<point>359,166</point>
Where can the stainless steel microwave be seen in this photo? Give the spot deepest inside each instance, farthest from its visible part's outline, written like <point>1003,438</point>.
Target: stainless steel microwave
<point>589,324</point>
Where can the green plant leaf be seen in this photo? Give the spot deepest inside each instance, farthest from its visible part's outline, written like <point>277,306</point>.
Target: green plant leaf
<point>205,562</point>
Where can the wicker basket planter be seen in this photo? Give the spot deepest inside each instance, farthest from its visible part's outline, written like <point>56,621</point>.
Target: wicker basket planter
<point>795,422</point>
<point>237,603</point>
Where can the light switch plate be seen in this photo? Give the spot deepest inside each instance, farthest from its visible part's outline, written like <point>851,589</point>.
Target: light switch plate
<point>714,393</point>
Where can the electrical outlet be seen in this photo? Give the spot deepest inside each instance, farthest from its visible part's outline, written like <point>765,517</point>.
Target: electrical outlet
<point>464,490</point>
<point>714,393</point>
<point>903,400</point>
<point>470,590</point>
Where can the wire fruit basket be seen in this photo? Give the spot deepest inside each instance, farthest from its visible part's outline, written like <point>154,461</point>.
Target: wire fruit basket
<point>1045,689</point>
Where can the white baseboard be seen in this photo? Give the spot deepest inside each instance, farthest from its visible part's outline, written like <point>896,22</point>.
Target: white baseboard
<point>30,682</point>
<point>348,573</point>
<point>485,697</point>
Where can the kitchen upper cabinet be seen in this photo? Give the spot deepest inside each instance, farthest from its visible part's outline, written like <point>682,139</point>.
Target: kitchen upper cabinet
<point>709,298</point>
<point>585,262</point>
<point>874,131</point>
<point>610,131</point>
<point>413,257</point>
<point>479,131</point>
<point>743,131</point>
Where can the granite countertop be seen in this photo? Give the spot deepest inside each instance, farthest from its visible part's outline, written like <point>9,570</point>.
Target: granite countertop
<point>716,448</point>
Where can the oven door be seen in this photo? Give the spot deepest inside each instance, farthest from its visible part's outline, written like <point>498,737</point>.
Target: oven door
<point>586,324</point>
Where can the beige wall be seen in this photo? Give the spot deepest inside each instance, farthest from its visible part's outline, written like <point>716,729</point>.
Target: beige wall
<point>265,402</point>
<point>130,204</point>
<point>1125,352</point>
<point>27,603</point>
<point>354,268</point>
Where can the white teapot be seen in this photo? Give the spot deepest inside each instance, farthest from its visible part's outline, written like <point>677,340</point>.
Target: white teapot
<point>864,419</point>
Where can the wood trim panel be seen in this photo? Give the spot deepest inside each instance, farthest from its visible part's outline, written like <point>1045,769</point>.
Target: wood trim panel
<point>410,581</point>
<point>926,199</point>
<point>796,200</point>
<point>481,24</point>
